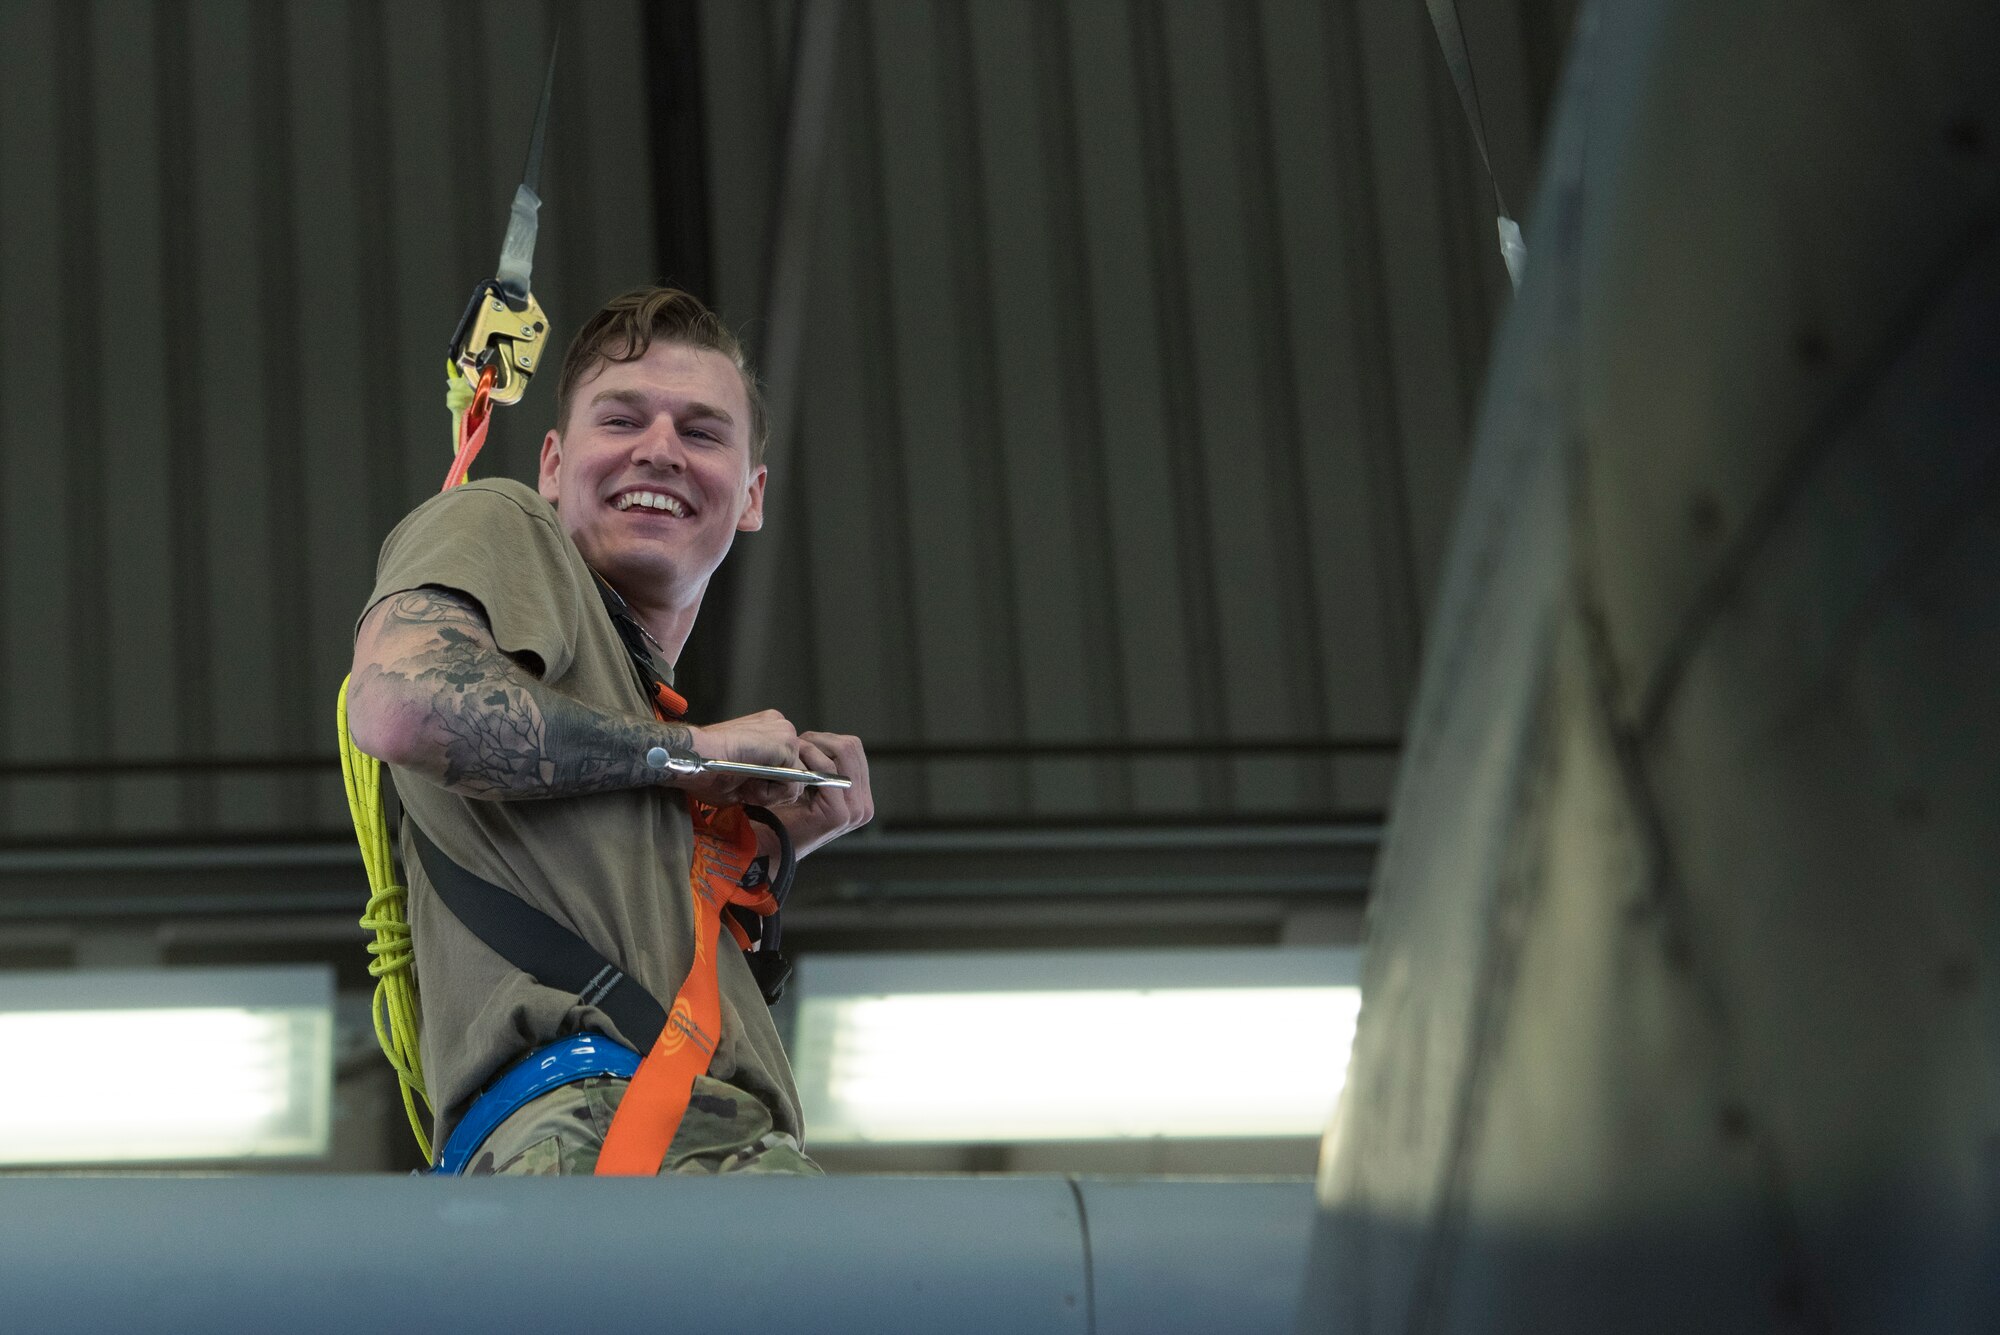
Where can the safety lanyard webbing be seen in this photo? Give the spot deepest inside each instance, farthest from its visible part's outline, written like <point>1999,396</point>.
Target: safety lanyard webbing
<point>1451,40</point>
<point>656,1099</point>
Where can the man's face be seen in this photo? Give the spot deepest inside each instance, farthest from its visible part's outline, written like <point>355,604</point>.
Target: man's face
<point>651,475</point>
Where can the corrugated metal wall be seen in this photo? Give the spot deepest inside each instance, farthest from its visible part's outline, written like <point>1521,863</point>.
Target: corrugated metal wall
<point>1143,342</point>
<point>1140,349</point>
<point>234,237</point>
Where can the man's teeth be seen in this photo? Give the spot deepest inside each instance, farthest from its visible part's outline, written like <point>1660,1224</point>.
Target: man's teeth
<point>651,500</point>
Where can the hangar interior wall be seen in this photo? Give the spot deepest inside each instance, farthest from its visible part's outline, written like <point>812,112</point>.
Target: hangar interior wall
<point>1140,350</point>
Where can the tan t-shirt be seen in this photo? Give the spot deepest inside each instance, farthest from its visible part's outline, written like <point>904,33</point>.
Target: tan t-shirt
<point>613,867</point>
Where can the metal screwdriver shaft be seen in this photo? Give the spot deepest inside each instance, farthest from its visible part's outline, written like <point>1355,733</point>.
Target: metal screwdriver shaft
<point>659,758</point>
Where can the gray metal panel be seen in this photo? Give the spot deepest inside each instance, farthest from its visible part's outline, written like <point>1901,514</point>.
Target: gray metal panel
<point>138,464</point>
<point>79,332</point>
<point>1004,1257</point>
<point>1150,1246</point>
<point>1424,185</point>
<point>1158,698</point>
<point>332,442</point>
<point>747,1255</point>
<point>37,646</point>
<point>1012,431</point>
<point>854,975</point>
<point>1357,515</point>
<point>1676,1015</point>
<point>851,486</point>
<point>305,987</point>
<point>238,682</point>
<point>1241,408</point>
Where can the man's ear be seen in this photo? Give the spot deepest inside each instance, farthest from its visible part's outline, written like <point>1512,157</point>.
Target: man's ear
<point>549,482</point>
<point>752,518</point>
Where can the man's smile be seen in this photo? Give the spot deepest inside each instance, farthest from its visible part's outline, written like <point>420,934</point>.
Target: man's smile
<point>656,501</point>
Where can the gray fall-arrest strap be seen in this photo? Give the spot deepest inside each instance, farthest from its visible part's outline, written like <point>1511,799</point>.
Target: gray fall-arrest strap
<point>1457,59</point>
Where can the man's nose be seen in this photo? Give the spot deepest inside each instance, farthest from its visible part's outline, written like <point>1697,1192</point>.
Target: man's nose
<point>661,446</point>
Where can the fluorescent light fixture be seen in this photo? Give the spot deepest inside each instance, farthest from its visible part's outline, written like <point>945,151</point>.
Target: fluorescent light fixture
<point>1073,1045</point>
<point>152,1066</point>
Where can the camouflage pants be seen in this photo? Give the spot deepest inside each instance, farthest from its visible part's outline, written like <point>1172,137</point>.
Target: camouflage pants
<point>560,1133</point>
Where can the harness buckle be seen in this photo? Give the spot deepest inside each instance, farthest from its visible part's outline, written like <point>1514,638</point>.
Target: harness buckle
<point>504,330</point>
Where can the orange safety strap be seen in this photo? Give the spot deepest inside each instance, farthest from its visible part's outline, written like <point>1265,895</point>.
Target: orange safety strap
<point>725,847</point>
<point>472,430</point>
<point>668,703</point>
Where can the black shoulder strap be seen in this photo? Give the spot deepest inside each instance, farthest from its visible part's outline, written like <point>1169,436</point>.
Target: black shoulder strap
<point>539,946</point>
<point>631,634</point>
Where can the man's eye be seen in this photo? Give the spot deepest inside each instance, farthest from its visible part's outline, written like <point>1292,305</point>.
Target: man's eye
<point>697,431</point>
<point>619,421</point>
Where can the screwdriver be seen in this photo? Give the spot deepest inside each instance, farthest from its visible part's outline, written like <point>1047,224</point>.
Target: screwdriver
<point>660,758</point>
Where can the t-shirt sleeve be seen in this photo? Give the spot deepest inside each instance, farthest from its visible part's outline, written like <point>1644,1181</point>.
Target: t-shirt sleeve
<point>501,549</point>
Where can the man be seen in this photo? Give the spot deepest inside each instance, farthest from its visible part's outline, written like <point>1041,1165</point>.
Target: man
<point>491,677</point>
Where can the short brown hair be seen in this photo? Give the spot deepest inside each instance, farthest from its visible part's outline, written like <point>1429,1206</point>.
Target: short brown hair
<point>625,326</point>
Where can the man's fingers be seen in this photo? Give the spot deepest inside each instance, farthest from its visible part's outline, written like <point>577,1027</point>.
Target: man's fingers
<point>816,757</point>
<point>849,806</point>
<point>835,811</point>
<point>766,793</point>
<point>850,761</point>
<point>844,753</point>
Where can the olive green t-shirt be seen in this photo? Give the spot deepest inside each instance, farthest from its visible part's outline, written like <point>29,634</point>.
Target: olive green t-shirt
<point>612,867</point>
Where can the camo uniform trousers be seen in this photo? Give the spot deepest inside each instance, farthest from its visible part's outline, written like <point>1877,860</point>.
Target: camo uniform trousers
<point>560,1133</point>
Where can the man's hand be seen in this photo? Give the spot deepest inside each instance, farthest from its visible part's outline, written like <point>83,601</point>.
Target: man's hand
<point>821,815</point>
<point>764,738</point>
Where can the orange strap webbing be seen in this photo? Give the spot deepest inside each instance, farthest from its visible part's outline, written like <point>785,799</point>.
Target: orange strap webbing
<point>725,846</point>
<point>471,431</point>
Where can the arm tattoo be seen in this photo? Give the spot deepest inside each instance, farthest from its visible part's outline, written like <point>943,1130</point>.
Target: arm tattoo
<point>494,730</point>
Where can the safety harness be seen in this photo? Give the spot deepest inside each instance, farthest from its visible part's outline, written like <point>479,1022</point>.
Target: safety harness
<point>493,352</point>
<point>729,885</point>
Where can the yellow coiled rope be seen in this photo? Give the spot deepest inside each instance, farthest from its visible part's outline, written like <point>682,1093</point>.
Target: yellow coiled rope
<point>392,968</point>
<point>457,398</point>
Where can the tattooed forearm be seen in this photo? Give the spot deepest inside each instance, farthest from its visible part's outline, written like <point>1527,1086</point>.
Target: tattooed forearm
<point>483,726</point>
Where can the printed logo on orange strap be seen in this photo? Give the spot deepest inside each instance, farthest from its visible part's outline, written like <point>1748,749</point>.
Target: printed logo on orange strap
<point>680,1028</point>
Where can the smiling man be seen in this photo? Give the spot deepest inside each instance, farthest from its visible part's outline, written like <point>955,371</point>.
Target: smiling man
<point>502,670</point>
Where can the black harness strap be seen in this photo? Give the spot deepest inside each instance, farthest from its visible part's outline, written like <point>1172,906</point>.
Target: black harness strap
<point>539,946</point>
<point>1457,59</point>
<point>632,635</point>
